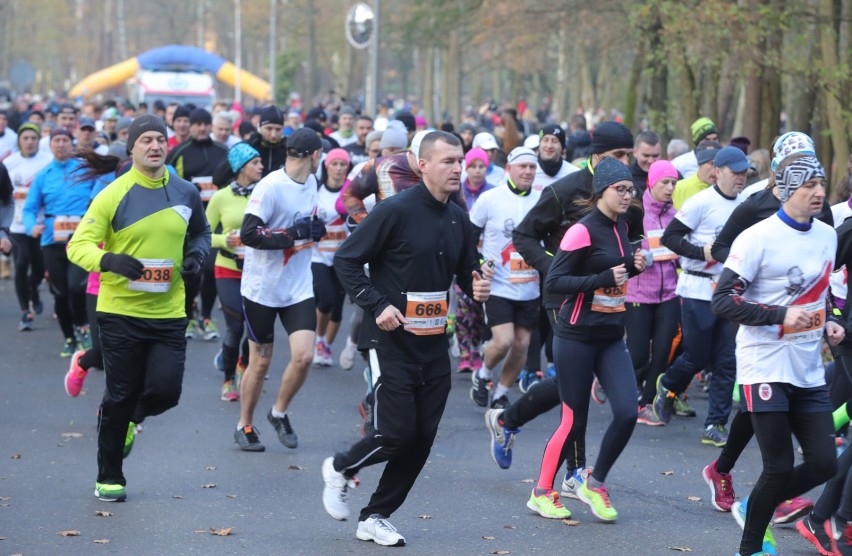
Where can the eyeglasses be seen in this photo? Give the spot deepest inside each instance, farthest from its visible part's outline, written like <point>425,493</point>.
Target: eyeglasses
<point>623,190</point>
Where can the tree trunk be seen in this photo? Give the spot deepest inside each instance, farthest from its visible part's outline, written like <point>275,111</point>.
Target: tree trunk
<point>634,94</point>
<point>833,107</point>
<point>560,94</point>
<point>311,73</point>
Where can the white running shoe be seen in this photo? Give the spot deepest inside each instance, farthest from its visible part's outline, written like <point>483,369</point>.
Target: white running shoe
<point>572,484</point>
<point>454,347</point>
<point>347,356</point>
<point>379,530</point>
<point>335,494</point>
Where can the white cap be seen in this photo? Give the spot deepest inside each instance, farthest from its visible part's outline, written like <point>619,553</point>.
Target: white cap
<point>532,142</point>
<point>415,143</point>
<point>522,155</point>
<point>484,141</point>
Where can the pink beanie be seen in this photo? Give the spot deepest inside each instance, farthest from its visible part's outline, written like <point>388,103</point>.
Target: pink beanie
<point>420,121</point>
<point>476,154</point>
<point>336,154</point>
<point>659,170</point>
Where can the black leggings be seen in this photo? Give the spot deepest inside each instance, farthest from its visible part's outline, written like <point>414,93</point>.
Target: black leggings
<point>651,329</point>
<point>780,479</point>
<point>205,283</point>
<point>29,268</point>
<point>68,286</point>
<point>93,357</point>
<point>542,335</point>
<point>577,363</point>
<point>328,292</point>
<point>232,307</point>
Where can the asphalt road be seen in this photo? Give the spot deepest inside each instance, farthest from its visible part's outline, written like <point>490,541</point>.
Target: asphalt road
<point>186,475</point>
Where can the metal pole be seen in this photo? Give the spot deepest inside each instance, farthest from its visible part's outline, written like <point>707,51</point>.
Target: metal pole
<point>238,93</point>
<point>372,92</point>
<point>273,16</point>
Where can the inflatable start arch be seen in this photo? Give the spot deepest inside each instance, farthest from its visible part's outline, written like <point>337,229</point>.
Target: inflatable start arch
<point>173,55</point>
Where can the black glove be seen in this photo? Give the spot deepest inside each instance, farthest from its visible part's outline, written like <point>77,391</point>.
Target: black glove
<point>317,228</point>
<point>191,266</point>
<point>301,229</point>
<point>125,265</point>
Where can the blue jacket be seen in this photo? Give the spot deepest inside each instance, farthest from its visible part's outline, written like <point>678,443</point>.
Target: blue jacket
<point>56,190</point>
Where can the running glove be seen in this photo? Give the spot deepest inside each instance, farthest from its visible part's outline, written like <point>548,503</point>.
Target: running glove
<point>191,266</point>
<point>317,228</point>
<point>301,229</point>
<point>125,265</point>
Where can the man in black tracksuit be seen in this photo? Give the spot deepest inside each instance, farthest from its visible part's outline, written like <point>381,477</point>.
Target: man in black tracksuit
<point>405,308</point>
<point>267,141</point>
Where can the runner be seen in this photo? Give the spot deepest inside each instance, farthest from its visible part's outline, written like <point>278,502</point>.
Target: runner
<point>704,176</point>
<point>279,228</point>
<point>774,285</point>
<point>328,292</point>
<point>551,166</point>
<point>26,252</point>
<point>56,193</point>
<point>226,210</point>
<point>707,339</point>
<point>591,269</point>
<point>405,331</point>
<point>151,224</point>
<point>512,309</point>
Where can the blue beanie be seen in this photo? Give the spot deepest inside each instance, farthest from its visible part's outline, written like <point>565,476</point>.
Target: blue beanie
<point>607,172</point>
<point>239,155</point>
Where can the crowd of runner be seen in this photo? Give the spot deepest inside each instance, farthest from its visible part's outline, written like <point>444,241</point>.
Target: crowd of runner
<point>640,272</point>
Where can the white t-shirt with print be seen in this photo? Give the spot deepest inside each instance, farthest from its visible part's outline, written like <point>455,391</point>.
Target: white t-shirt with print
<point>335,227</point>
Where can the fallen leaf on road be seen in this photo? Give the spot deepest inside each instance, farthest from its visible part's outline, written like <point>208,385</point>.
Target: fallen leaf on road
<point>210,468</point>
<point>488,538</point>
<point>4,505</point>
<point>667,473</point>
<point>177,497</point>
<point>16,456</point>
<point>297,467</point>
<point>209,485</point>
<point>679,548</point>
<point>72,435</point>
<point>2,538</point>
<point>200,531</point>
<point>424,516</point>
<point>221,532</point>
<point>509,527</point>
<point>231,496</point>
<point>101,513</point>
<point>73,533</point>
<point>571,522</point>
<point>694,498</point>
<point>528,481</point>
<point>4,498</point>
<point>101,541</point>
<point>500,552</point>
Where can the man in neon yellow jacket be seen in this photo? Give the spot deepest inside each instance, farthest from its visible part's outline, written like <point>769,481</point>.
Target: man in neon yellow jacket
<point>146,233</point>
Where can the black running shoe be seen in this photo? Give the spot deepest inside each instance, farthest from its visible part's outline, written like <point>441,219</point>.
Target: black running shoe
<point>247,439</point>
<point>479,391</point>
<point>501,403</point>
<point>815,534</point>
<point>286,435</point>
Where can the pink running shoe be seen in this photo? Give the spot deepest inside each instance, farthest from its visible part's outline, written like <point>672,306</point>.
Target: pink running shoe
<point>791,510</point>
<point>721,487</point>
<point>75,376</point>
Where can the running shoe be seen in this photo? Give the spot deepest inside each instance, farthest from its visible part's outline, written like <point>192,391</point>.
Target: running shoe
<point>502,438</point>
<point>721,488</point>
<point>598,394</point>
<point>208,330</point>
<point>738,510</point>
<point>37,305</point>
<point>476,359</point>
<point>572,483</point>
<point>129,439</point>
<point>322,355</point>
<point>218,361</point>
<point>455,350</point>
<point>107,492</point>
<point>835,527</point>
<point>84,337</point>
<point>229,392</point>
<point>843,542</point>
<point>378,529</point>
<point>347,356</point>
<point>327,355</point>
<point>548,505</point>
<point>336,492</point>
<point>286,435</point>
<point>551,371</point>
<point>648,417</point>
<point>191,325</point>
<point>715,435</point>
<point>598,500</point>
<point>68,348</point>
<point>791,510</point>
<point>682,407</point>
<point>76,375</point>
<point>663,401</point>
<point>26,323</point>
<point>816,534</point>
<point>479,392</point>
<point>365,408</point>
<point>528,379</point>
<point>247,439</point>
<point>464,364</point>
<point>241,369</point>
<point>501,403</point>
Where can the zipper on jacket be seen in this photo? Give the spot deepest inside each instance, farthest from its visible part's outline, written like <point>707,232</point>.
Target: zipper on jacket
<point>618,238</point>
<point>578,305</point>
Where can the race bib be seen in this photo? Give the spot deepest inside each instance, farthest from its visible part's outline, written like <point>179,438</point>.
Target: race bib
<point>205,186</point>
<point>609,300</point>
<point>64,226</point>
<point>519,271</point>
<point>658,251</point>
<point>20,197</point>
<point>156,276</point>
<point>426,313</point>
<point>814,330</point>
<point>333,238</point>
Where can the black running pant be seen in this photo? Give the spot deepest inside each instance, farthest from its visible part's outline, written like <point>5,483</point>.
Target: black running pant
<point>144,363</point>
<point>232,308</point>
<point>93,357</point>
<point>29,268</point>
<point>68,285</point>
<point>328,292</point>
<point>651,329</point>
<point>409,402</point>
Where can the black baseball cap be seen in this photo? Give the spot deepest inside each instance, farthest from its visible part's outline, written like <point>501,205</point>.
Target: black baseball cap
<point>303,142</point>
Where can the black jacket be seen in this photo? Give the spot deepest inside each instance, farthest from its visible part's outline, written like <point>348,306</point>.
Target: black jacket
<point>194,158</point>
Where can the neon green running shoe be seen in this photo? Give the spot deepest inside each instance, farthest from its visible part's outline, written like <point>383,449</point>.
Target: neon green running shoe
<point>598,500</point>
<point>548,505</point>
<point>110,492</point>
<point>130,438</point>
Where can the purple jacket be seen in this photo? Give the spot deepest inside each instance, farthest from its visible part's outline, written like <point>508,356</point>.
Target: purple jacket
<point>657,284</point>
<point>470,196</point>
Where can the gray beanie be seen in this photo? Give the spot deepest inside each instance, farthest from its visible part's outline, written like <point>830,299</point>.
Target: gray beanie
<point>395,136</point>
<point>146,122</point>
